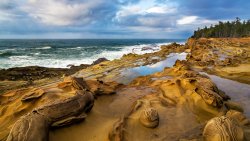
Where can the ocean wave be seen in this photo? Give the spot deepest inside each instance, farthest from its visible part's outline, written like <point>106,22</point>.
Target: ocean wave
<point>109,54</point>
<point>74,48</point>
<point>35,53</point>
<point>38,53</point>
<point>45,47</point>
<point>57,61</point>
<point>80,47</point>
<point>6,54</point>
<point>20,58</point>
<point>8,49</point>
<point>136,49</point>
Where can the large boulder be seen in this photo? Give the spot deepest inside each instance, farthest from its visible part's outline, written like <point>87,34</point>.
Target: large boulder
<point>35,125</point>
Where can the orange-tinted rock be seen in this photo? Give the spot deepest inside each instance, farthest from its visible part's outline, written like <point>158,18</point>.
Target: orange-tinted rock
<point>149,118</point>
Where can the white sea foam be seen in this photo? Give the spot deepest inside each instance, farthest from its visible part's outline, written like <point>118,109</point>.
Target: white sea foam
<point>46,47</point>
<point>55,62</point>
<point>79,48</point>
<point>20,58</point>
<point>137,49</point>
<point>6,50</point>
<point>38,53</point>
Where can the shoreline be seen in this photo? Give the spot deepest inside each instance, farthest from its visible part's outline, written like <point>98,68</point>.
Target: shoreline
<point>53,54</point>
<point>31,73</point>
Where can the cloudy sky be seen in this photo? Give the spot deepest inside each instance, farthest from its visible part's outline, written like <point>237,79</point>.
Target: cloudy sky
<point>114,18</point>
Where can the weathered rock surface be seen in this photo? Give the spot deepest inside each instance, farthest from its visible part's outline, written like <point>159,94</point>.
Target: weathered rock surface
<point>33,94</point>
<point>97,87</point>
<point>227,57</point>
<point>223,129</point>
<point>238,117</point>
<point>33,73</point>
<point>149,118</point>
<point>19,77</point>
<point>35,125</point>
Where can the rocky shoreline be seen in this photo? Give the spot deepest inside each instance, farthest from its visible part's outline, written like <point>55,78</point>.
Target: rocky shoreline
<point>35,75</point>
<point>146,97</point>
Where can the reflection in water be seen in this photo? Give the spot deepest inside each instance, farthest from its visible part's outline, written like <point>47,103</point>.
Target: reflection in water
<point>129,74</point>
<point>157,67</point>
<point>238,92</point>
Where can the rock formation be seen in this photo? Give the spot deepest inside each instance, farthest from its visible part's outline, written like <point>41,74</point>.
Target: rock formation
<point>35,125</point>
<point>223,129</point>
<point>225,57</point>
<point>149,118</point>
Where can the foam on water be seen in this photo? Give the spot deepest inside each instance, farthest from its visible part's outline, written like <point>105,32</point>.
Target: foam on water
<point>62,56</point>
<point>137,49</point>
<point>46,47</point>
<point>18,58</point>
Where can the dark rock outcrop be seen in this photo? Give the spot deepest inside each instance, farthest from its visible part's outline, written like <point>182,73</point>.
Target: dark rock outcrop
<point>100,60</point>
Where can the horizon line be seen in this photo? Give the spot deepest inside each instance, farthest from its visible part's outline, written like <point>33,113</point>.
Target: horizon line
<point>91,38</point>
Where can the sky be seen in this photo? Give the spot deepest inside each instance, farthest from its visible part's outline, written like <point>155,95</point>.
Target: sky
<point>114,18</point>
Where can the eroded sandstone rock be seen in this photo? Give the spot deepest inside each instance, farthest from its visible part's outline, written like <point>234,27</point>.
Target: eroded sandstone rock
<point>222,56</point>
<point>97,87</point>
<point>223,129</point>
<point>238,116</point>
<point>34,126</point>
<point>33,94</point>
<point>149,118</point>
<point>31,127</point>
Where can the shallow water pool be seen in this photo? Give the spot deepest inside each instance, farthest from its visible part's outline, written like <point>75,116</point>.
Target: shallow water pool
<point>238,92</point>
<point>128,74</point>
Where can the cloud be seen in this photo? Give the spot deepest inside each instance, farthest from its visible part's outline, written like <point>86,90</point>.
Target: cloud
<point>9,11</point>
<point>187,20</point>
<point>161,10</point>
<point>63,12</point>
<point>114,18</point>
<point>146,13</point>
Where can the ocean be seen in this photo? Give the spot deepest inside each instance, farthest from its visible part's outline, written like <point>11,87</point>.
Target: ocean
<point>63,52</point>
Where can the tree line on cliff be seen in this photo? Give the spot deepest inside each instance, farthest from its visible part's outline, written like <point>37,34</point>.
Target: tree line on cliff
<point>236,28</point>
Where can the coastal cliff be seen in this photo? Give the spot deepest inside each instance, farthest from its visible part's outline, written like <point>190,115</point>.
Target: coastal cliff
<point>165,95</point>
